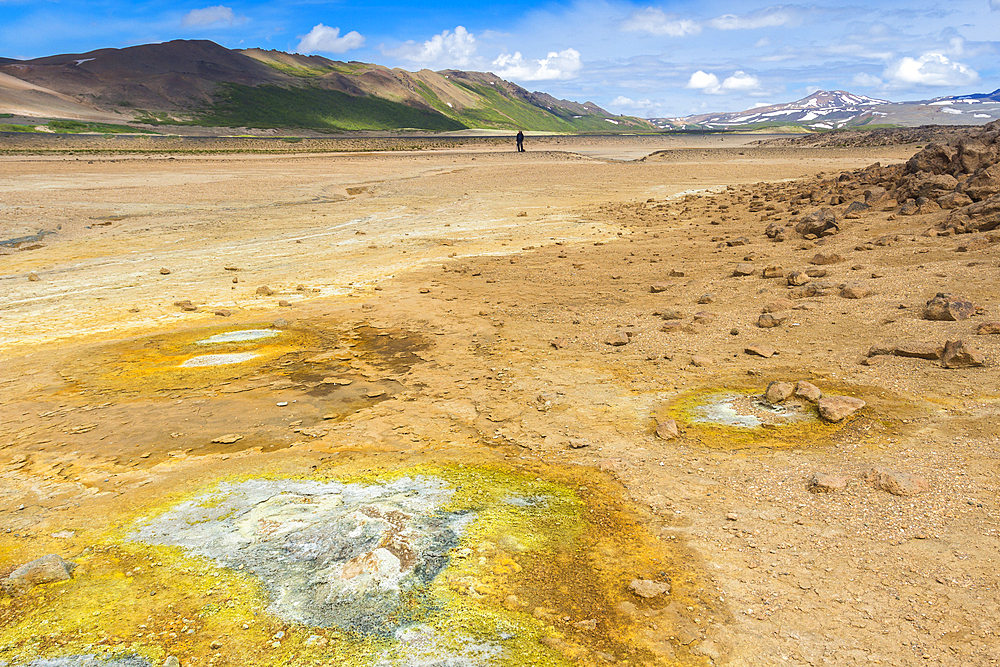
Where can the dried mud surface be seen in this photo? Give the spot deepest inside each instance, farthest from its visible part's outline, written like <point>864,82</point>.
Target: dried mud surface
<point>445,315</point>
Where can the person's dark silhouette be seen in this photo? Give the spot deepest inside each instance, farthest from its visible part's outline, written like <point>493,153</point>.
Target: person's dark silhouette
<point>520,141</point>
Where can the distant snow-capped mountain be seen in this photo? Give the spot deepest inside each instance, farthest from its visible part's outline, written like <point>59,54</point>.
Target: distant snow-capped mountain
<point>824,110</point>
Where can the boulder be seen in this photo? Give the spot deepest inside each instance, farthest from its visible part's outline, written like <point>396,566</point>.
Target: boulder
<point>44,570</point>
<point>838,408</point>
<point>779,392</point>
<point>957,354</point>
<point>947,307</point>
<point>818,223</point>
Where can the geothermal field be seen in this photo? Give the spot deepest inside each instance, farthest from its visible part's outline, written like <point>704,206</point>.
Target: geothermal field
<point>426,402</point>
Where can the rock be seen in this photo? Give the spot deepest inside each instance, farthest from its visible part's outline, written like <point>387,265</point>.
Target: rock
<point>779,392</point>
<point>647,588</point>
<point>822,259</point>
<point>280,323</point>
<point>701,360</point>
<point>264,290</point>
<point>704,317</point>
<point>778,305</point>
<point>33,277</point>
<point>223,312</point>
<point>706,298</point>
<point>797,278</point>
<point>946,307</point>
<point>171,661</point>
<point>744,269</point>
<point>656,288</point>
<point>819,223</point>
<point>987,328</point>
<point>558,343</point>
<point>617,339</point>
<point>918,350</point>
<point>824,483</point>
<point>228,439</point>
<point>667,429</point>
<point>740,241</point>
<point>895,482</point>
<point>164,271</point>
<point>42,570</point>
<point>957,354</point>
<point>808,391</point>
<point>838,408</point>
<point>770,320</point>
<point>856,291</point>
<point>186,306</point>
<point>765,351</point>
<point>816,273</point>
<point>670,314</point>
<point>284,304</point>
<point>773,272</point>
<point>974,244</point>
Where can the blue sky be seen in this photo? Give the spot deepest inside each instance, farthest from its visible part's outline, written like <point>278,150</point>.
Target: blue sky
<point>648,59</point>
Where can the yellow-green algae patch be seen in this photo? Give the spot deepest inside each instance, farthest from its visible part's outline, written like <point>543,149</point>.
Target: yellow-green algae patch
<point>539,576</point>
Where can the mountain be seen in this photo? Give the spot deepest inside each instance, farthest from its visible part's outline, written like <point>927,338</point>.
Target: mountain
<point>202,83</point>
<point>825,110</point>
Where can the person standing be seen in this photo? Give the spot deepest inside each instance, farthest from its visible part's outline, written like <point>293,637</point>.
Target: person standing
<point>520,141</point>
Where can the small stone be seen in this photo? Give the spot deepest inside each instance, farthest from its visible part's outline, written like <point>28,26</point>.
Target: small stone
<point>987,328</point>
<point>957,354</point>
<point>667,429</point>
<point>223,312</point>
<point>770,320</point>
<point>797,278</point>
<point>779,392</point>
<point>171,661</point>
<point>701,360</point>
<point>945,307</point>
<point>895,482</point>
<point>856,291</point>
<point>808,391</point>
<point>280,323</point>
<point>765,351</point>
<point>424,290</point>
<point>824,483</point>
<point>823,259</point>
<point>773,272</point>
<point>734,332</point>
<point>33,277</point>
<point>647,588</point>
<point>670,314</point>
<point>778,305</point>
<point>744,269</point>
<point>284,303</point>
<point>656,288</point>
<point>706,298</point>
<point>264,290</point>
<point>374,393</point>
<point>617,339</point>
<point>231,268</point>
<point>558,343</point>
<point>228,439</point>
<point>343,382</point>
<point>164,271</point>
<point>816,273</point>
<point>918,350</point>
<point>732,516</point>
<point>838,408</point>
<point>704,317</point>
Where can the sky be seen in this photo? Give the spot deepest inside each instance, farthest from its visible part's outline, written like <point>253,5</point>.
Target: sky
<point>655,59</point>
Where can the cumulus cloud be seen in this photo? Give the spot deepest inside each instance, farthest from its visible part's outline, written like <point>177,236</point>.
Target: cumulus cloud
<point>449,49</point>
<point>865,80</point>
<point>324,39</point>
<point>930,69</point>
<point>622,104</point>
<point>708,83</point>
<point>211,16</point>
<point>769,17</point>
<point>562,65</point>
<point>657,22</point>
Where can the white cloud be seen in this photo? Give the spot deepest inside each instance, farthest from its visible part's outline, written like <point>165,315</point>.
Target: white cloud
<point>217,15</point>
<point>930,69</point>
<point>325,39</point>
<point>447,50</point>
<point>622,104</point>
<point>865,80</point>
<point>709,84</point>
<point>769,17</point>
<point>565,64</point>
<point>657,22</point>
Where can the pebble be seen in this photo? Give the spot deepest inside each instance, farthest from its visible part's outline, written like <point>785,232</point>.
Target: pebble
<point>656,288</point>
<point>164,271</point>
<point>33,277</point>
<point>706,298</point>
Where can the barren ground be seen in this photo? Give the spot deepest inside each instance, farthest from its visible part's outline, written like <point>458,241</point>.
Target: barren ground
<point>467,293</point>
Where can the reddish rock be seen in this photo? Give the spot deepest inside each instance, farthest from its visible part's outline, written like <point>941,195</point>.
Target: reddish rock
<point>656,288</point>
<point>778,305</point>
<point>770,320</point>
<point>856,290</point>
<point>838,408</point>
<point>808,391</point>
<point>824,483</point>
<point>947,307</point>
<point>895,482</point>
<point>778,392</point>
<point>667,429</point>
<point>744,269</point>
<point>264,290</point>
<point>765,351</point>
<point>773,272</point>
<point>823,259</point>
<point>617,339</point>
<point>918,350</point>
<point>987,328</point>
<point>957,354</point>
<point>44,570</point>
<point>647,588</point>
